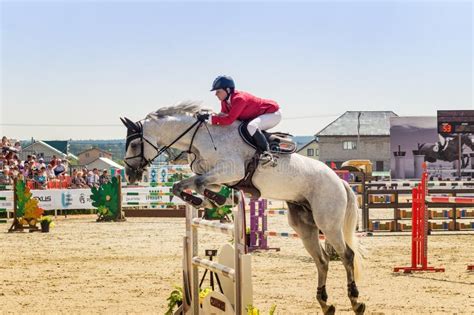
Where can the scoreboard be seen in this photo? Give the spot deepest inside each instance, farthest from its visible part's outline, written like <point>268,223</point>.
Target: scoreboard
<point>452,122</point>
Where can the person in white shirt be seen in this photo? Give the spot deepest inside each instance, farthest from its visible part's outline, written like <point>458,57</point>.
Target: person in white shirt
<point>50,172</point>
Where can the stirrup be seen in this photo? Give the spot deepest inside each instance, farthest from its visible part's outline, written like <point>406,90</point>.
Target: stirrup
<point>266,158</point>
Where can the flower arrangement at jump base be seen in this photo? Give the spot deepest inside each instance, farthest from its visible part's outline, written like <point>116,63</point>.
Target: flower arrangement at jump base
<point>255,311</point>
<point>176,299</point>
<point>27,212</point>
<point>46,223</point>
<point>106,200</point>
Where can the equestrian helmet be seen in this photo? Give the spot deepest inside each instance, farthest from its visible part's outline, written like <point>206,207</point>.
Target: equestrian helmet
<point>223,82</point>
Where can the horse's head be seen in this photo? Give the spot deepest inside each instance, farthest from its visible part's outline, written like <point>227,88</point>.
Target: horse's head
<point>140,149</point>
<point>168,127</point>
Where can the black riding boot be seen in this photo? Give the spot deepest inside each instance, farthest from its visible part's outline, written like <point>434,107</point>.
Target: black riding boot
<point>263,148</point>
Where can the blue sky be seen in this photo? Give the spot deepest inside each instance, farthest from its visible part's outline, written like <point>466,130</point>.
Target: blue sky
<point>90,62</point>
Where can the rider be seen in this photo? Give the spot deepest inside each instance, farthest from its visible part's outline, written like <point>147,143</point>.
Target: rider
<point>262,113</point>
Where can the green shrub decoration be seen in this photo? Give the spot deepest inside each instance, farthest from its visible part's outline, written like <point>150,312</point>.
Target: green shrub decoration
<point>106,200</point>
<point>220,213</point>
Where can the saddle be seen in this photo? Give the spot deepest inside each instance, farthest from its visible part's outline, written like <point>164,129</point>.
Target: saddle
<point>280,143</point>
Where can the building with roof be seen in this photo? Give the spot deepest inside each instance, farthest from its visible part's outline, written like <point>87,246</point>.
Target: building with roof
<point>310,149</point>
<point>102,163</point>
<point>41,150</point>
<point>92,154</point>
<point>48,149</point>
<point>357,135</point>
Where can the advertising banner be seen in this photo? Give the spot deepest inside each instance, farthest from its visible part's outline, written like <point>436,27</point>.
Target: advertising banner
<point>414,140</point>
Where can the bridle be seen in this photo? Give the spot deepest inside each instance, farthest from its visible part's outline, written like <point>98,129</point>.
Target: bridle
<point>144,162</point>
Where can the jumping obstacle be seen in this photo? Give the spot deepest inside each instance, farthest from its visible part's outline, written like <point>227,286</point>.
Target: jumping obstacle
<point>259,233</point>
<point>155,201</point>
<point>419,242</point>
<point>26,212</point>
<point>396,194</point>
<point>233,264</point>
<point>470,267</point>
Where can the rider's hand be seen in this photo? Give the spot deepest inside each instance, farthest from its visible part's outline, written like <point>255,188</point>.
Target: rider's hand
<point>202,116</point>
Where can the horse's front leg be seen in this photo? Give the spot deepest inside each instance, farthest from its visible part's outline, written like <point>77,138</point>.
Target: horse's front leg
<point>209,184</point>
<point>189,184</point>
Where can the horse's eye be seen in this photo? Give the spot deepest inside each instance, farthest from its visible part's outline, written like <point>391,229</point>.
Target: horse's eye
<point>134,146</point>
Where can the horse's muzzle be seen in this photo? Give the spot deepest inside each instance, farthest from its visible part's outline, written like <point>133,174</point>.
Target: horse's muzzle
<point>133,175</point>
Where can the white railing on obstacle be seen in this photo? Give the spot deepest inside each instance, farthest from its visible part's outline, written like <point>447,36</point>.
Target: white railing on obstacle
<point>192,261</point>
<point>215,226</point>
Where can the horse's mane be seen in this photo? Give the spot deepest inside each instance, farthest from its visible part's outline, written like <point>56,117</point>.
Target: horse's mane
<point>189,108</point>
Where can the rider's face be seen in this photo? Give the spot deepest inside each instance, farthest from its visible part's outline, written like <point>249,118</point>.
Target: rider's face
<point>221,94</point>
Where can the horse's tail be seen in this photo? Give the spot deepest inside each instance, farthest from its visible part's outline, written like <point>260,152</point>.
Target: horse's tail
<point>349,230</point>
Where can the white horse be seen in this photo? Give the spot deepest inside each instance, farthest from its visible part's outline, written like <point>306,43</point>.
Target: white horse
<point>318,200</point>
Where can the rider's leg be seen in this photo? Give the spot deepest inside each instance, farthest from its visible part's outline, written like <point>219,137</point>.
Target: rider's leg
<point>255,128</point>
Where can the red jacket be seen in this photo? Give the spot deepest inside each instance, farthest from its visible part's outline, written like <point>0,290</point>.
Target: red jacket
<point>244,106</point>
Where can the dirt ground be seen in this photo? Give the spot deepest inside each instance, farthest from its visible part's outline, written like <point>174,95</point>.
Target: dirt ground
<point>84,267</point>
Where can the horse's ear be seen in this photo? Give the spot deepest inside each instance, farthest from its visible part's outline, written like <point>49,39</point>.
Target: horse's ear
<point>124,122</point>
<point>131,125</point>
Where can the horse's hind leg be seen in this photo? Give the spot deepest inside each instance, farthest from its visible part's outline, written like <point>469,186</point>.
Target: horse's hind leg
<point>301,220</point>
<point>336,239</point>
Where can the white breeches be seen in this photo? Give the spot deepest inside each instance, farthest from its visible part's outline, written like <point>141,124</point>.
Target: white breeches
<point>264,122</point>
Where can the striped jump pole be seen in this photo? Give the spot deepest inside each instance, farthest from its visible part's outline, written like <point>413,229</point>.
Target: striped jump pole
<point>441,199</point>
<point>147,193</point>
<point>295,235</point>
<point>215,226</point>
<point>147,203</point>
<point>214,267</point>
<point>276,212</point>
<point>281,234</point>
<point>192,262</point>
<point>413,184</point>
<point>419,241</point>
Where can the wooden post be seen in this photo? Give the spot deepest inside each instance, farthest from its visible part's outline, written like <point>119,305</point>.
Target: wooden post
<point>460,155</point>
<point>120,215</point>
<point>15,223</point>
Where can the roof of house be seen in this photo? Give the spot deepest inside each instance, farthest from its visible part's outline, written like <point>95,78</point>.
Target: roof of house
<point>108,162</point>
<point>62,146</point>
<point>302,140</point>
<point>95,148</point>
<point>43,143</point>
<point>372,123</point>
<point>307,144</point>
<point>72,156</point>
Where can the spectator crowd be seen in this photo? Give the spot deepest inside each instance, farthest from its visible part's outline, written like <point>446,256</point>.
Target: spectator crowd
<point>41,174</point>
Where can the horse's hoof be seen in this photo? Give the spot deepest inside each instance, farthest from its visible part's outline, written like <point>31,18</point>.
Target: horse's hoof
<point>360,309</point>
<point>218,198</point>
<point>192,200</point>
<point>330,311</point>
